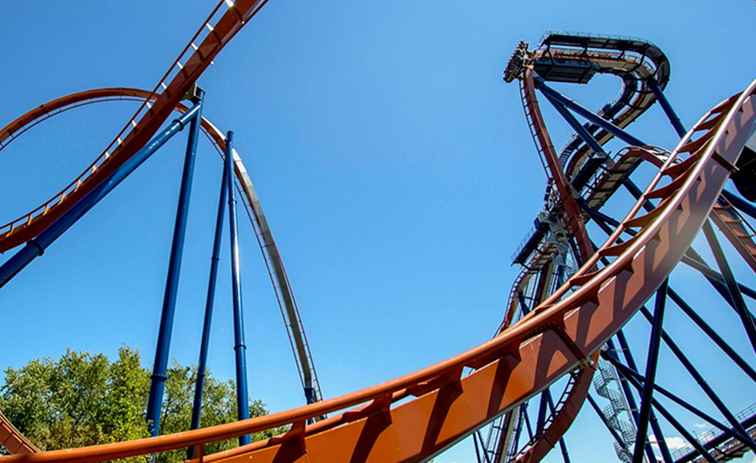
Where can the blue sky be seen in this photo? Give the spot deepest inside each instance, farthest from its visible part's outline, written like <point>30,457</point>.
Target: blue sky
<point>393,162</point>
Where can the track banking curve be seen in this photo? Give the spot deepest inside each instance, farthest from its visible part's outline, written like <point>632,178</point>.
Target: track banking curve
<point>560,334</point>
<point>418,415</point>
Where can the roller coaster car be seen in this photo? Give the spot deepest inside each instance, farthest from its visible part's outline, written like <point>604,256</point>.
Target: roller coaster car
<point>573,71</point>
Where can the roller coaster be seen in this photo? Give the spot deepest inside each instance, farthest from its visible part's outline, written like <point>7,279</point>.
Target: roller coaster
<point>563,322</point>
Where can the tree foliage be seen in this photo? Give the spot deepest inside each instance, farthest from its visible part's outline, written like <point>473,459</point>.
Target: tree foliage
<point>85,399</point>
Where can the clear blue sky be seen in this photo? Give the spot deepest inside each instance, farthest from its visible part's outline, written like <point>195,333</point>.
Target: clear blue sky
<point>394,165</point>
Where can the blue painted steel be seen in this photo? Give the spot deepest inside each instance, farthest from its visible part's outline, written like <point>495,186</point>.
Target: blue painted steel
<point>562,442</point>
<point>629,393</point>
<point>740,203</point>
<point>240,349</point>
<point>604,420</point>
<point>652,362</point>
<point>692,258</point>
<point>624,370</point>
<point>675,424</point>
<point>209,302</point>
<point>577,127</point>
<point>528,426</point>
<point>679,128</point>
<point>588,114</point>
<point>731,284</point>
<point>715,278</point>
<point>698,378</point>
<point>541,419</point>
<point>36,247</point>
<point>162,351</point>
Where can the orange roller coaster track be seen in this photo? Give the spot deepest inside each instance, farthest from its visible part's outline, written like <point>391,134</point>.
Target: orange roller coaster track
<point>416,416</point>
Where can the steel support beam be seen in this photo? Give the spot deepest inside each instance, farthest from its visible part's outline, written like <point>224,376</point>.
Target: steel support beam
<point>562,443</point>
<point>741,204</point>
<point>732,286</point>
<point>587,113</point>
<point>667,107</point>
<point>648,386</point>
<point>624,370</point>
<point>240,348</point>
<point>528,426</point>
<point>542,406</point>
<point>734,356</point>
<point>603,419</point>
<point>688,366</point>
<point>162,351</point>
<point>581,131</point>
<point>697,377</point>
<point>210,300</point>
<point>691,257</point>
<point>695,261</point>
<point>652,417</point>
<point>37,246</point>
<point>676,424</point>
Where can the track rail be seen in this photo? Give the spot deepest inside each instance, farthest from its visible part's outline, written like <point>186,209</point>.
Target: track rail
<point>557,336</point>
<point>224,21</point>
<point>10,437</point>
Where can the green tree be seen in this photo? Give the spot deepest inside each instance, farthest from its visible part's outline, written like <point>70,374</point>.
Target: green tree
<point>85,399</point>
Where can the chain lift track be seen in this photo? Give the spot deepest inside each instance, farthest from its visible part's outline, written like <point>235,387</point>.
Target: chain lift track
<point>414,417</point>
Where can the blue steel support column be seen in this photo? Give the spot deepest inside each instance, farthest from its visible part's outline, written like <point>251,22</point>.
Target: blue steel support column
<point>162,352</point>
<point>526,417</point>
<point>602,220</point>
<point>209,302</point>
<point>542,404</point>
<point>675,424</point>
<point>562,443</point>
<point>740,203</point>
<point>732,286</point>
<point>516,442</point>
<point>679,128</point>
<point>36,247</point>
<point>586,113</point>
<point>626,371</point>
<point>648,384</point>
<point>629,394</point>
<point>604,420</point>
<point>240,349</point>
<point>577,127</point>
<point>692,258</point>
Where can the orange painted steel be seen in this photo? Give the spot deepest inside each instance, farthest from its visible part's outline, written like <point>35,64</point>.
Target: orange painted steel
<point>574,218</point>
<point>196,56</point>
<point>12,439</point>
<point>438,406</point>
<point>631,69</point>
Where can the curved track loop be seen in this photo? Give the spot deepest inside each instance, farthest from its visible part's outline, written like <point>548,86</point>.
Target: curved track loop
<point>12,439</point>
<point>198,54</point>
<point>556,337</point>
<point>634,62</point>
